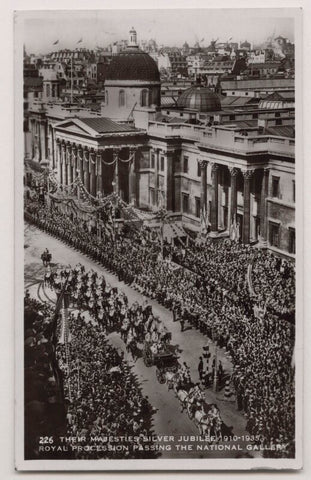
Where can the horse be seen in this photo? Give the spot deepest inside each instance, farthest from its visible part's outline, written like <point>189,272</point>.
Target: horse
<point>212,411</point>
<point>182,396</point>
<point>169,378</point>
<point>195,396</point>
<point>203,422</point>
<point>46,258</point>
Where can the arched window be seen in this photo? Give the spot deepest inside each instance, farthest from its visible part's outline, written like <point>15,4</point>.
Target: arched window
<point>48,92</point>
<point>121,98</point>
<point>144,98</point>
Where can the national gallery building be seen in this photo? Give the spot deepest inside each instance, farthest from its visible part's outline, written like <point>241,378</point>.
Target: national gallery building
<point>193,156</point>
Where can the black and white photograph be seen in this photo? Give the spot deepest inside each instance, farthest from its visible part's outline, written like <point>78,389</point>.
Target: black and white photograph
<point>157,320</point>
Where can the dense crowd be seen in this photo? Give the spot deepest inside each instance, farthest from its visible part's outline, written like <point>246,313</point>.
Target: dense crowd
<point>213,295</point>
<point>104,396</point>
<point>44,410</point>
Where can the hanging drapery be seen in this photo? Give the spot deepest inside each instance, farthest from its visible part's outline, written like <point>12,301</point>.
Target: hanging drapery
<point>128,160</point>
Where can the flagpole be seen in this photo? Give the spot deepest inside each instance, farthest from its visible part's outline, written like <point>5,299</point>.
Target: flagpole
<point>71,80</point>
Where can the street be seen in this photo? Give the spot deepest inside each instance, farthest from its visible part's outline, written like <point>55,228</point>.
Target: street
<point>168,418</point>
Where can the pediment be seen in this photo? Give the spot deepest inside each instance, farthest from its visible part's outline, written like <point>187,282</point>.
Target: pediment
<point>75,126</point>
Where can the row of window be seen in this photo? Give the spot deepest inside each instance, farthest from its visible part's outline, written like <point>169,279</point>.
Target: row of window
<point>274,237</point>
<point>160,163</point>
<point>275,190</point>
<point>274,228</point>
<point>185,205</point>
<point>275,180</point>
<point>144,98</point>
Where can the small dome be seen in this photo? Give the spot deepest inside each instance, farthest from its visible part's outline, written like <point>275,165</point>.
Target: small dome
<point>199,98</point>
<point>133,64</point>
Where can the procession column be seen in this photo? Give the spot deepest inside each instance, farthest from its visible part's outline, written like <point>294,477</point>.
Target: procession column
<point>203,197</point>
<point>233,187</point>
<point>263,198</point>
<point>247,205</point>
<point>214,210</point>
<point>86,169</point>
<point>92,159</point>
<point>132,177</point>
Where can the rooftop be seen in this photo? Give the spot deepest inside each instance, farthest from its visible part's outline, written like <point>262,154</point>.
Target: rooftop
<point>133,64</point>
<point>105,125</point>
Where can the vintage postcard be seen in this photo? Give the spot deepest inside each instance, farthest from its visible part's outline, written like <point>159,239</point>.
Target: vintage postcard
<point>159,170</point>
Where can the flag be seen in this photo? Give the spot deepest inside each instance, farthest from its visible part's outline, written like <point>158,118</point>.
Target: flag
<point>55,43</point>
<point>80,41</point>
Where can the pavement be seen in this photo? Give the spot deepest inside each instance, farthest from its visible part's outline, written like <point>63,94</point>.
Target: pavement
<point>167,418</point>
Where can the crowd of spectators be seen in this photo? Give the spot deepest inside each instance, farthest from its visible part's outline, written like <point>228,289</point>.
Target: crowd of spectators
<point>44,407</point>
<point>212,293</point>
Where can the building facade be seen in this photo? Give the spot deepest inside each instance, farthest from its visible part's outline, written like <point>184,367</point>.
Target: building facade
<point>237,167</point>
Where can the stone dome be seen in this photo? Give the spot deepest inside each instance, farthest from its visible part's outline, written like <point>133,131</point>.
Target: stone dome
<point>133,64</point>
<point>199,98</point>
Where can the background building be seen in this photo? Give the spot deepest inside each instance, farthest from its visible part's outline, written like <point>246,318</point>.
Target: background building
<point>227,151</point>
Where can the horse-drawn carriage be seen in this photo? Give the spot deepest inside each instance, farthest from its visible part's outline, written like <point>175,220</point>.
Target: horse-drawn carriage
<point>163,356</point>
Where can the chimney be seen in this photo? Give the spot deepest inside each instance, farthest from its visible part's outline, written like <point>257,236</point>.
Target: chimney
<point>262,124</point>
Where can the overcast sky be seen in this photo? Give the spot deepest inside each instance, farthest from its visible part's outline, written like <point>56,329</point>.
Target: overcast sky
<point>167,27</point>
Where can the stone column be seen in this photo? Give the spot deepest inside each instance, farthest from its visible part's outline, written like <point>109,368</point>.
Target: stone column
<point>247,205</point>
<point>86,169</point>
<point>137,176</point>
<point>156,176</point>
<point>214,211</point>
<point>65,171</point>
<point>116,171</point>
<point>103,167</point>
<point>43,141</point>
<point>98,173</point>
<point>92,160</point>
<point>263,210</point>
<point>74,161</point>
<point>203,197</point>
<point>74,165</point>
<point>233,194</point>
<point>169,158</point>
<point>52,143</point>
<point>80,162</point>
<point>59,161</point>
<point>69,164</point>
<point>132,178</point>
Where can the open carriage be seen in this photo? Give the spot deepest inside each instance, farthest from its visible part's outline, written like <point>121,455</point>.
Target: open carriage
<point>163,356</point>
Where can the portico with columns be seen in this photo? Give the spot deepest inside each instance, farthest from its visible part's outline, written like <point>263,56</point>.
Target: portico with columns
<point>229,192</point>
<point>104,162</point>
<point>238,196</point>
